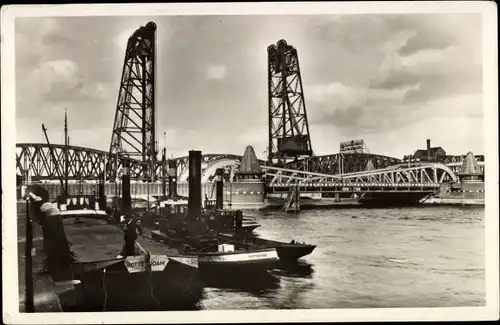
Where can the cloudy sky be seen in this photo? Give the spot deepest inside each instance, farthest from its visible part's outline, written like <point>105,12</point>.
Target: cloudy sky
<point>392,80</point>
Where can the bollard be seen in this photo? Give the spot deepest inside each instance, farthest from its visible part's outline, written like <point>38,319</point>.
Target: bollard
<point>194,205</point>
<point>29,303</point>
<point>126,198</point>
<point>172,179</point>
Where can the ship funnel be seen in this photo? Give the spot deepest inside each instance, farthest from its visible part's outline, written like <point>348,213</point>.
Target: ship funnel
<point>194,205</point>
<point>238,222</point>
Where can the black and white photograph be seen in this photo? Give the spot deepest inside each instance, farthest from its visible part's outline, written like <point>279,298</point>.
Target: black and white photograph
<point>249,162</point>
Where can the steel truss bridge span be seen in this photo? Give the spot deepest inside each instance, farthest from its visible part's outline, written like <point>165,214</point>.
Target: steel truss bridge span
<point>417,176</point>
<point>87,164</point>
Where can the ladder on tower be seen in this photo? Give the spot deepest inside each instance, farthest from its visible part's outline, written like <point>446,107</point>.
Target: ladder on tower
<point>292,203</point>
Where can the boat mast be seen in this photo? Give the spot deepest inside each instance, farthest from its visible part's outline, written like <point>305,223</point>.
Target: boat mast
<point>164,169</point>
<point>55,160</point>
<point>231,175</point>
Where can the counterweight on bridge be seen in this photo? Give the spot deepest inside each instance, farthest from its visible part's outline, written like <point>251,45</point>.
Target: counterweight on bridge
<point>134,126</point>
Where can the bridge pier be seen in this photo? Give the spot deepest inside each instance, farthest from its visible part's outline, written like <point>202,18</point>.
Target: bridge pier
<point>248,190</point>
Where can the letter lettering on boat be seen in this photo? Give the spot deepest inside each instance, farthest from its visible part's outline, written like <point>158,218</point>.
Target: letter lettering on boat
<point>191,261</point>
<point>158,262</point>
<point>137,264</point>
<point>257,255</point>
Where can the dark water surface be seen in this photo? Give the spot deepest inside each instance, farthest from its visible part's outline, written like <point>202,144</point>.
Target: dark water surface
<point>398,257</point>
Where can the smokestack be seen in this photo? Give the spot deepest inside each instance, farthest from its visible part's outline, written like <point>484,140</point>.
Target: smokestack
<point>219,182</point>
<point>126,198</point>
<point>172,179</point>
<point>102,196</point>
<point>238,222</point>
<point>428,149</point>
<point>194,205</point>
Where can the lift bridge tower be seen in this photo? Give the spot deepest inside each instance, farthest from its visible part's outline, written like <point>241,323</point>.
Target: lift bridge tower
<point>289,138</point>
<point>133,134</point>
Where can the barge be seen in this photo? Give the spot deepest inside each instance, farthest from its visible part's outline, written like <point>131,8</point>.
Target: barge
<point>86,247</point>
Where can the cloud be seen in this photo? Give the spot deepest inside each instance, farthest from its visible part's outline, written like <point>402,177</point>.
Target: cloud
<point>54,79</point>
<point>357,110</point>
<point>216,71</point>
<point>377,77</point>
<point>255,136</point>
<point>56,82</point>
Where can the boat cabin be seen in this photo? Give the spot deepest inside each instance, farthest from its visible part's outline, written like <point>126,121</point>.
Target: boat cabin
<point>80,206</point>
<point>171,207</point>
<point>78,202</point>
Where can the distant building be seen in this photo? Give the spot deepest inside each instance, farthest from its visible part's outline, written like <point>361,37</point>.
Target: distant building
<point>430,154</point>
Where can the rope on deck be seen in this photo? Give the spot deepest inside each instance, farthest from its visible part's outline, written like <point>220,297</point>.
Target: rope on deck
<point>150,275</point>
<point>105,291</point>
<point>151,290</point>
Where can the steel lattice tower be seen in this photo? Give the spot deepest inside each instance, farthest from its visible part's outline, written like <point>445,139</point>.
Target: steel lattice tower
<point>134,126</point>
<point>288,127</point>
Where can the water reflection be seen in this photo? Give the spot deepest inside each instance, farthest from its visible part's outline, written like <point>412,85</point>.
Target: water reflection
<point>299,269</point>
<point>251,282</point>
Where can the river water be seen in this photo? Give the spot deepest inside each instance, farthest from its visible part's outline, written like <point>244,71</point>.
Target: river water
<point>365,258</point>
<point>370,258</point>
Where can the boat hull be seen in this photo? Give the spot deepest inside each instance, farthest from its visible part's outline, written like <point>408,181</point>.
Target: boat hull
<point>250,228</point>
<point>286,251</point>
<point>259,260</point>
<point>114,288</point>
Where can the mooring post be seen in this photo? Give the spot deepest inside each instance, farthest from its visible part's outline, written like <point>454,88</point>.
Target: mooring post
<point>102,192</point>
<point>172,179</point>
<point>219,188</point>
<point>126,198</point>
<point>29,299</point>
<point>194,205</point>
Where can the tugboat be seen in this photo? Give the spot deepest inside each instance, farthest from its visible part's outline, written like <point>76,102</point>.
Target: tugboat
<point>287,252</point>
<point>188,230</point>
<point>221,220</point>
